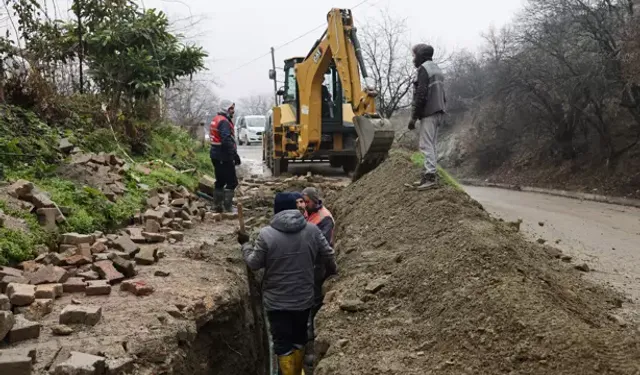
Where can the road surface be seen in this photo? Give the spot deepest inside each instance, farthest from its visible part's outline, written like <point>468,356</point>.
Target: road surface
<point>252,157</point>
<point>605,236</point>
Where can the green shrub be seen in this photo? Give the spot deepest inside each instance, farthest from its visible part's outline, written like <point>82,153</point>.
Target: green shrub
<point>18,245</point>
<point>25,139</point>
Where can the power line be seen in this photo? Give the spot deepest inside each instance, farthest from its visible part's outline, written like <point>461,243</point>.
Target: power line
<point>287,43</point>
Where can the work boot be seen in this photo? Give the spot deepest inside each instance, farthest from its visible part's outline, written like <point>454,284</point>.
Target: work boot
<point>287,364</point>
<point>218,198</point>
<point>298,354</point>
<point>429,180</point>
<point>228,201</point>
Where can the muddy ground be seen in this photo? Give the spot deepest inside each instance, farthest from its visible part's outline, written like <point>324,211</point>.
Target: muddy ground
<point>430,284</point>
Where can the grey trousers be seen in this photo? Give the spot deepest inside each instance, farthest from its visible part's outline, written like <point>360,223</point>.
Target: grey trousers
<point>428,139</point>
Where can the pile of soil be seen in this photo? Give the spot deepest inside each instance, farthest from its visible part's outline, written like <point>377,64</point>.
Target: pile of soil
<point>430,284</point>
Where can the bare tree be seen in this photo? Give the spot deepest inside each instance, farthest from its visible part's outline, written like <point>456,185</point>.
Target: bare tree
<point>387,54</point>
<point>255,105</point>
<point>190,102</point>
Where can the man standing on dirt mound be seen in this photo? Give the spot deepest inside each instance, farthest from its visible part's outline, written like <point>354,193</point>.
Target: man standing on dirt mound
<point>224,156</point>
<point>427,109</point>
<point>288,249</point>
<point>318,215</point>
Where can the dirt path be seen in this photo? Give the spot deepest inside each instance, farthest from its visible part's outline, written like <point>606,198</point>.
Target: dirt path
<point>604,236</point>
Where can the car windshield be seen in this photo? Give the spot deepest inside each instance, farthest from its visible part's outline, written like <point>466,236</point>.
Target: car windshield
<point>255,122</point>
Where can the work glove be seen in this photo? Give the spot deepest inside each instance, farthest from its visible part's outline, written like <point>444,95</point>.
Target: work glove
<point>236,160</point>
<point>243,238</point>
<point>412,124</point>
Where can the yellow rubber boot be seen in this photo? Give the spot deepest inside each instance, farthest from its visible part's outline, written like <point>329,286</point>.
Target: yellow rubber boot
<point>299,360</point>
<point>287,364</point>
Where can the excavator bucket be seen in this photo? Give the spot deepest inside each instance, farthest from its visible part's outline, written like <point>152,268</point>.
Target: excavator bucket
<point>375,137</point>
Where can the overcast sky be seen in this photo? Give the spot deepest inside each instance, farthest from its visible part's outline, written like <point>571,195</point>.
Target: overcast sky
<point>236,32</point>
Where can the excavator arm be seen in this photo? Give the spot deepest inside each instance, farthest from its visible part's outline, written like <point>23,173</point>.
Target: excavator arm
<point>339,43</point>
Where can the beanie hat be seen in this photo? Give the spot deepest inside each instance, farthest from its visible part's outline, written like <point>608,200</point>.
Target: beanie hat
<point>312,193</point>
<point>296,195</point>
<point>283,202</point>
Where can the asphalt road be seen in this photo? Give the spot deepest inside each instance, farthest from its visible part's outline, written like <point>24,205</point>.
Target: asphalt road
<point>252,157</point>
<point>605,236</point>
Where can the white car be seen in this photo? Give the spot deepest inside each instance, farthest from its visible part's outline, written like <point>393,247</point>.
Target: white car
<point>250,129</point>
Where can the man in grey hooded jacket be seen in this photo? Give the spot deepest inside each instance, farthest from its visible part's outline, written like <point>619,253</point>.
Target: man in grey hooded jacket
<point>428,109</point>
<point>288,250</point>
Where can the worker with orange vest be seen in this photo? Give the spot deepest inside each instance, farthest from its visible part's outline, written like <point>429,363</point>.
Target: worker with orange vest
<point>224,156</point>
<point>319,215</point>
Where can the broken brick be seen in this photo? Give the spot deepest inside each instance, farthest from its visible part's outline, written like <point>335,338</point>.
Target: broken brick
<point>77,260</point>
<point>147,256</point>
<point>15,364</point>
<point>178,236</point>
<point>21,294</point>
<point>154,237</point>
<point>23,330</point>
<point>98,288</point>
<point>49,291</point>
<point>152,226</point>
<point>81,314</point>
<point>7,320</point>
<point>81,364</point>
<point>107,271</point>
<point>126,267</point>
<point>75,285</point>
<point>89,275</point>
<point>125,244</point>
<point>48,275</point>
<point>137,287</point>
<point>77,239</point>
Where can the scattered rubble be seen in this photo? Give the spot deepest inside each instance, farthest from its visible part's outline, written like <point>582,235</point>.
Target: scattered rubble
<point>61,330</point>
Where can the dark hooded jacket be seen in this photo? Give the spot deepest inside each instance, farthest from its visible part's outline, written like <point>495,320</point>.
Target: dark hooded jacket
<point>288,249</point>
<point>428,87</point>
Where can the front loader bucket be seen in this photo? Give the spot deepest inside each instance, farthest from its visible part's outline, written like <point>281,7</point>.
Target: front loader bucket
<point>375,137</point>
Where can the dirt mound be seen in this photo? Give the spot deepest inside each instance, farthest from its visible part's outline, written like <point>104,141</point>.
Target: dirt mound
<point>431,284</point>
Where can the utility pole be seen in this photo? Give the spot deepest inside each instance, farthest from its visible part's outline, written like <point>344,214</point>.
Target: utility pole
<point>78,12</point>
<point>275,82</point>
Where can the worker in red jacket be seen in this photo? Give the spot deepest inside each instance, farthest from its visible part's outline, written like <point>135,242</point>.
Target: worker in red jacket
<point>224,156</point>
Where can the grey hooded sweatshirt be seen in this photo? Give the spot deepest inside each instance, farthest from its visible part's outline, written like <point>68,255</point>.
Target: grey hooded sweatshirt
<point>287,249</point>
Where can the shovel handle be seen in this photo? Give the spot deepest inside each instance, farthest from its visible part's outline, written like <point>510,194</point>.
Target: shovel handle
<point>240,217</point>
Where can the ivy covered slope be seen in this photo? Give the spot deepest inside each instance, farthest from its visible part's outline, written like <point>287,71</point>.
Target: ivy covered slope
<point>83,120</point>
<point>32,151</point>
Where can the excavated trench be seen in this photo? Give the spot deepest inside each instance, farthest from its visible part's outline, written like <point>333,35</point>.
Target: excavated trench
<point>230,340</point>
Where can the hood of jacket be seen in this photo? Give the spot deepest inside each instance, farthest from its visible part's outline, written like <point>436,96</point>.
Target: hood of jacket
<point>422,53</point>
<point>289,221</point>
<point>223,107</point>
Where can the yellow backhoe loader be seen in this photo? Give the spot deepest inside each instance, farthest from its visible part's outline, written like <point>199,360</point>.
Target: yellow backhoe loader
<point>326,114</point>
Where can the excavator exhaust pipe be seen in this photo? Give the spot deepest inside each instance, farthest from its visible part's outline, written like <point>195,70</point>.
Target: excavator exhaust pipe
<point>375,137</point>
